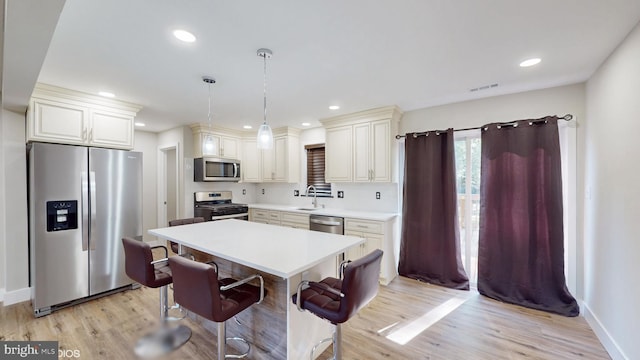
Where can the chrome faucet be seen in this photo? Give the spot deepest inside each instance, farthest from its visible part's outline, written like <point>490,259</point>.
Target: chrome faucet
<point>315,195</point>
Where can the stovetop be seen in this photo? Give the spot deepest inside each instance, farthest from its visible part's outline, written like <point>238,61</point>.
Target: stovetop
<point>218,202</point>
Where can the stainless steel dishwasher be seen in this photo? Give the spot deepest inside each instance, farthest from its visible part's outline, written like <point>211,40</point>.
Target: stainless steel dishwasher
<point>328,224</point>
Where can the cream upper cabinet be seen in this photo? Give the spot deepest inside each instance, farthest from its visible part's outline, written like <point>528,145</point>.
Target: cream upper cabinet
<point>109,129</point>
<point>359,147</point>
<point>225,143</point>
<point>339,154</point>
<point>282,162</point>
<point>279,164</point>
<point>69,117</point>
<point>251,165</point>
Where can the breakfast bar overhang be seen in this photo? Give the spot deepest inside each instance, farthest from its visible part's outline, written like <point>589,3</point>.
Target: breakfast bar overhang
<point>285,256</point>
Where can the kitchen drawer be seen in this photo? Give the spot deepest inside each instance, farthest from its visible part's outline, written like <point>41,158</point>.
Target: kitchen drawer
<point>295,225</point>
<point>259,215</point>
<point>274,216</point>
<point>295,218</point>
<point>375,227</point>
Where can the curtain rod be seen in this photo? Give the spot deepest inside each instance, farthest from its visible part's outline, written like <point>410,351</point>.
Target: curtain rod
<point>567,117</point>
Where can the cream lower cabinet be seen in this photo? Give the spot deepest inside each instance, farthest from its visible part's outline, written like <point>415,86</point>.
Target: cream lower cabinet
<point>264,216</point>
<point>282,218</point>
<point>67,117</point>
<point>295,220</point>
<point>377,235</point>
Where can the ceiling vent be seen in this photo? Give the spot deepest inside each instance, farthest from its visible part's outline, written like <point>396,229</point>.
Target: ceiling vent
<point>486,87</point>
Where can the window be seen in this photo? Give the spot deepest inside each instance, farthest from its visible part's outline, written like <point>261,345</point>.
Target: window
<point>467,152</point>
<point>315,169</point>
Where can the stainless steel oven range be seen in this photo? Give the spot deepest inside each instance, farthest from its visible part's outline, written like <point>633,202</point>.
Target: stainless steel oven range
<point>217,205</point>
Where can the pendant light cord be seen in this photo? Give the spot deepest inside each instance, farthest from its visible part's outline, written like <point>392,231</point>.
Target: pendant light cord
<point>265,87</point>
<point>209,114</point>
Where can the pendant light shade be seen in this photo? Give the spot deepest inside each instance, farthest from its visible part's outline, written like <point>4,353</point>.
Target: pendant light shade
<point>208,146</point>
<point>265,135</point>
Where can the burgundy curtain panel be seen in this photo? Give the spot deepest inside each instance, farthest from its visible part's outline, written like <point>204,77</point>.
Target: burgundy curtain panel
<point>521,250</point>
<point>430,243</point>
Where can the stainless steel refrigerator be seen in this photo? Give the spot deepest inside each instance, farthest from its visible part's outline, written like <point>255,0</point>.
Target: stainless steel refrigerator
<point>82,201</point>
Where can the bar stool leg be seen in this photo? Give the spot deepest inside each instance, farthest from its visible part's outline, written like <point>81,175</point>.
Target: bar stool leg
<point>337,342</point>
<point>166,339</point>
<point>222,340</point>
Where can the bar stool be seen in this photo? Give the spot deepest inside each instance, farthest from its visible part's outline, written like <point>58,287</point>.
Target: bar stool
<point>196,287</point>
<point>140,266</point>
<point>178,222</point>
<point>338,300</point>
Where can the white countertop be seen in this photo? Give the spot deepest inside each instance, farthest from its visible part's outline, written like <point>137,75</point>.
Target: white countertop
<point>366,215</point>
<point>276,250</point>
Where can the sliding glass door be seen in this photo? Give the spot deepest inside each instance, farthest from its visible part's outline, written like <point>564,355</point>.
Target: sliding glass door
<point>467,149</point>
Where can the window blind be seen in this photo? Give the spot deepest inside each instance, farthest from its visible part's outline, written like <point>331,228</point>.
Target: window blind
<point>315,169</point>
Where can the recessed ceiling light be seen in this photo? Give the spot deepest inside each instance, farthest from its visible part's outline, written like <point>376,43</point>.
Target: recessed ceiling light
<point>334,107</point>
<point>306,124</point>
<point>247,127</point>
<point>141,124</point>
<point>530,62</point>
<point>184,35</point>
<point>106,94</point>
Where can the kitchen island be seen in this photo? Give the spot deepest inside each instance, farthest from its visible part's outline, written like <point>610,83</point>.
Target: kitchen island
<point>284,256</point>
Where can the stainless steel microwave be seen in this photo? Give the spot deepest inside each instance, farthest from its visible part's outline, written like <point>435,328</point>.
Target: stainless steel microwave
<point>216,169</point>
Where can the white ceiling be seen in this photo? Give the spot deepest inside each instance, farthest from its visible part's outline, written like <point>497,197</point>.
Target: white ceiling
<point>359,54</point>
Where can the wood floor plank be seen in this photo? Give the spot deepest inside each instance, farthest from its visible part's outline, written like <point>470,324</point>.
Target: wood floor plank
<point>480,328</point>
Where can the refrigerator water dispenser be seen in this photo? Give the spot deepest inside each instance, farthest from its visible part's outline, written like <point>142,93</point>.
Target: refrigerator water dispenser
<point>62,215</point>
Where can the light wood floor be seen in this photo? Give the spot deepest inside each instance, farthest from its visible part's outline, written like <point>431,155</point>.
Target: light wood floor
<point>479,328</point>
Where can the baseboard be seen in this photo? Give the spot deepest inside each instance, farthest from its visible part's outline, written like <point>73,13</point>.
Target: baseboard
<point>603,335</point>
<point>16,296</point>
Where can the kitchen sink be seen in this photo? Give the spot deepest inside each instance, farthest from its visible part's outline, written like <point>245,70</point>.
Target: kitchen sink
<point>306,209</point>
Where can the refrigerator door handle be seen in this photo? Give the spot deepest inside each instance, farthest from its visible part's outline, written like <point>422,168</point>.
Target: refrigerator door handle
<point>92,204</point>
<point>84,200</point>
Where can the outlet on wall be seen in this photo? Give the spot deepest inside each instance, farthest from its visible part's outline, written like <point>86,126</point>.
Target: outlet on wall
<point>296,192</point>
<point>340,194</point>
<point>262,191</point>
<point>244,191</point>
<point>377,195</point>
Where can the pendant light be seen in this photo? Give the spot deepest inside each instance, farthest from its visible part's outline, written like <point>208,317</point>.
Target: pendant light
<point>265,135</point>
<point>208,145</point>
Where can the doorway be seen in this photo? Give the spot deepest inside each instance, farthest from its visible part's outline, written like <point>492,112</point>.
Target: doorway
<point>169,185</point>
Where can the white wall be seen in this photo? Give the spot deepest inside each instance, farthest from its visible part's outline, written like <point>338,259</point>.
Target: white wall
<point>14,208</point>
<point>3,251</point>
<point>147,144</point>
<point>612,200</point>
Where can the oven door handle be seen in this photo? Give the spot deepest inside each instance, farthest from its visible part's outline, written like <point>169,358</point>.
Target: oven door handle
<point>232,216</point>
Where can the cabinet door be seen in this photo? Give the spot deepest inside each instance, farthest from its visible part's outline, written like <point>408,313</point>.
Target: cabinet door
<point>354,252</point>
<point>280,156</point>
<point>361,153</point>
<point>251,165</point>
<point>229,148</point>
<point>380,151</point>
<point>111,130</point>
<point>209,145</point>
<point>373,241</point>
<point>274,161</point>
<point>58,122</point>
<point>339,154</point>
